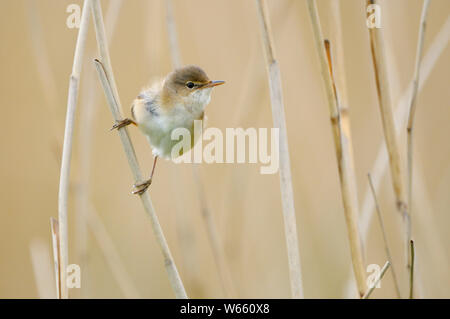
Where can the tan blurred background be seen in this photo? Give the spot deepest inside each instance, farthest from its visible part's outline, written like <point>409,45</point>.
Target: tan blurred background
<point>223,38</point>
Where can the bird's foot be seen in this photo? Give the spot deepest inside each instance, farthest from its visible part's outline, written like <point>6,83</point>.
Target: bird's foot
<point>123,123</point>
<point>141,187</point>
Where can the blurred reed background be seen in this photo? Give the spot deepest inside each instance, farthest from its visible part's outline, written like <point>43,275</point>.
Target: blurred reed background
<point>109,233</point>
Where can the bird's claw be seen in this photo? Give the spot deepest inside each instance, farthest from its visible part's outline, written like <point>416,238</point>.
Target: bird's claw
<point>122,123</point>
<point>141,187</point>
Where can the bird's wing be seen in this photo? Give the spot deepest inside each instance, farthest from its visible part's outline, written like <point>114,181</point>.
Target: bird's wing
<point>148,99</point>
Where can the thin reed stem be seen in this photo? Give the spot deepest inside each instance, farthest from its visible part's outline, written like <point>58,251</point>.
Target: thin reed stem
<point>172,34</point>
<point>411,274</point>
<point>339,65</point>
<point>340,81</point>
<point>430,60</point>
<point>343,153</point>
<point>385,240</point>
<point>67,147</point>
<point>377,44</point>
<point>54,227</point>
<point>372,288</point>
<point>412,106</point>
<point>169,263</point>
<point>106,75</point>
<point>410,126</point>
<point>379,166</point>
<point>279,121</point>
<point>88,116</point>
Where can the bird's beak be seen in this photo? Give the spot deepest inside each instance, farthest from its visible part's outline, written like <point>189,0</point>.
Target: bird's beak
<point>211,84</point>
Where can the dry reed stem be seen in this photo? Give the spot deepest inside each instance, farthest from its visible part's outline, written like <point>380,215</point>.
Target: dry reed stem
<point>343,155</point>
<point>411,274</point>
<point>169,263</point>
<point>410,126</point>
<point>372,288</point>
<point>172,34</point>
<point>341,83</point>
<point>106,75</point>
<point>385,240</point>
<point>377,45</point>
<point>429,62</point>
<point>279,121</point>
<point>42,268</point>
<point>88,112</point>
<point>216,245</point>
<point>54,227</point>
<point>342,93</point>
<point>412,107</point>
<point>378,170</point>
<point>339,65</point>
<point>111,255</point>
<point>67,147</point>
<point>87,115</point>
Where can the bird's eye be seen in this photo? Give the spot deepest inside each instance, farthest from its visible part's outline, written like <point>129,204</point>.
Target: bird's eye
<point>190,85</point>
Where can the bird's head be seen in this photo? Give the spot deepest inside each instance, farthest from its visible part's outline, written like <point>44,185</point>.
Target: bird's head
<point>190,82</point>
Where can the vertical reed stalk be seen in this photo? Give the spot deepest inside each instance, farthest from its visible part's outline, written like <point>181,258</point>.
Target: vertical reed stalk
<point>410,126</point>
<point>377,44</point>
<point>411,274</point>
<point>54,227</point>
<point>106,75</point>
<point>279,121</point>
<point>172,33</point>
<point>88,116</point>
<point>343,153</point>
<point>385,240</point>
<point>432,56</point>
<point>341,83</point>
<point>430,59</point>
<point>67,147</point>
<point>169,263</point>
<point>379,166</point>
<point>412,106</point>
<point>216,245</point>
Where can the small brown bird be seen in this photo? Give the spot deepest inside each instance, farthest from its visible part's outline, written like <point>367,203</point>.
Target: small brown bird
<point>175,102</point>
